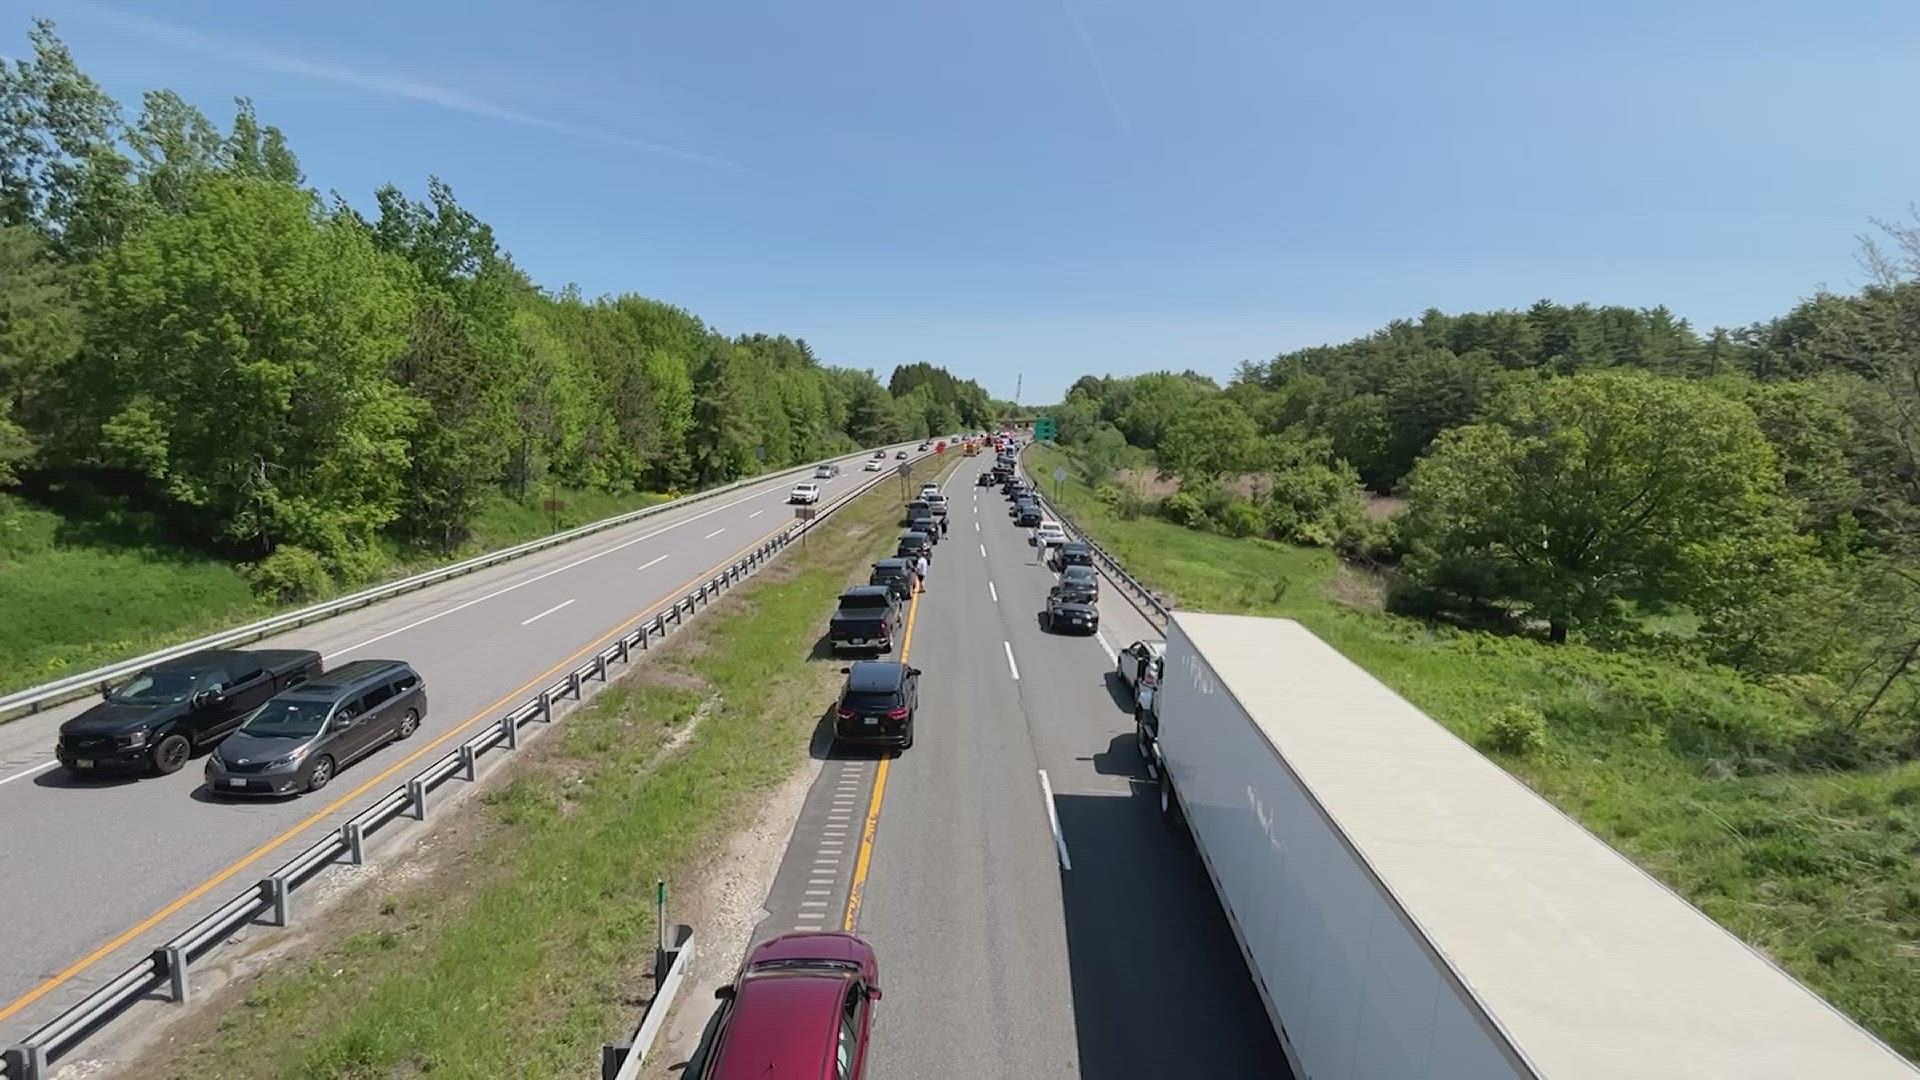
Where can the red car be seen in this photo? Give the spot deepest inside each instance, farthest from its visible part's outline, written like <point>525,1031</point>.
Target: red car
<point>800,1009</point>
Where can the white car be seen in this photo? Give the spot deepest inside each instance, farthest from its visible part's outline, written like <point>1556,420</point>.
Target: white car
<point>826,472</point>
<point>805,494</point>
<point>874,465</point>
<point>1049,534</point>
<point>928,490</point>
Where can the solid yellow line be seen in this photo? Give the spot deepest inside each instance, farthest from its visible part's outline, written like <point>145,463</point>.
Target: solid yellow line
<point>267,848</point>
<point>865,859</point>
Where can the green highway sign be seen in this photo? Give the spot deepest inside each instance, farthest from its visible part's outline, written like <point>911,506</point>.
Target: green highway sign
<point>1043,429</point>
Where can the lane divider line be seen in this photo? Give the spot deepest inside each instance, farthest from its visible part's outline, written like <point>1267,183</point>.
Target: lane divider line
<point>756,513</point>
<point>715,533</point>
<point>983,551</point>
<point>1053,819</point>
<point>863,862</point>
<point>993,592</point>
<point>1011,666</point>
<point>651,562</point>
<point>30,770</point>
<point>1112,657</point>
<point>65,974</point>
<point>549,611</point>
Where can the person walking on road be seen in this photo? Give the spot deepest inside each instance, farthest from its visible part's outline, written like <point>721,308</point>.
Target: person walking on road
<point>920,573</point>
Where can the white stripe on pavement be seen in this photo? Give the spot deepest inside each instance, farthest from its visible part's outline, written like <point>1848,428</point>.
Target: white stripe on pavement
<point>1011,666</point>
<point>756,513</point>
<point>983,551</point>
<point>650,562</point>
<point>993,592</point>
<point>715,533</point>
<point>549,611</point>
<point>30,770</point>
<point>1112,657</point>
<point>1053,819</point>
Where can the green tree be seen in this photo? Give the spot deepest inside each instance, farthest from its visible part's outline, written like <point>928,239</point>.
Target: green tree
<point>236,353</point>
<point>1579,493</point>
<point>1210,439</point>
<point>39,330</point>
<point>57,135</point>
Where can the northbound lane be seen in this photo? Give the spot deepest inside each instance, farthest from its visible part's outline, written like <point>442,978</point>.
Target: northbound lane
<point>96,871</point>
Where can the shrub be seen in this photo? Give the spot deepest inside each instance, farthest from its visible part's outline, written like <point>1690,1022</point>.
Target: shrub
<point>1315,503</point>
<point>290,573</point>
<point>1182,508</point>
<point>1516,729</point>
<point>1240,518</point>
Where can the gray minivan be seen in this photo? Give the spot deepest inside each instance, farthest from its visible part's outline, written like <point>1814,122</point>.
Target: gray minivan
<point>301,739</point>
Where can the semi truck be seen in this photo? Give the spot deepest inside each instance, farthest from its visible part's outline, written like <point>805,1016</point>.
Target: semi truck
<point>1409,909</point>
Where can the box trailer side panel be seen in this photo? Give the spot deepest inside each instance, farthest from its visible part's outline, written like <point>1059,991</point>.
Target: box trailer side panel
<point>1352,989</point>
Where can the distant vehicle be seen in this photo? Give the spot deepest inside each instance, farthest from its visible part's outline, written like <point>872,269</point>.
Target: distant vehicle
<point>873,465</point>
<point>865,619</point>
<point>1073,553</point>
<point>929,488</point>
<point>1069,611</point>
<point>805,493</point>
<point>301,739</point>
<point>924,447</point>
<point>879,455</point>
<point>938,503</point>
<point>913,544</point>
<point>901,455</point>
<point>877,704</point>
<point>826,472</point>
<point>1080,581</point>
<point>1026,515</point>
<point>1049,534</point>
<point>156,720</point>
<point>920,518</point>
<point>801,1008</point>
<point>985,479</point>
<point>896,574</point>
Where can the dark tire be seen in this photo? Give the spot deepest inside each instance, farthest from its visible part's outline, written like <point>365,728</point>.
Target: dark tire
<point>409,724</point>
<point>170,753</point>
<point>1144,742</point>
<point>321,774</point>
<point>1169,803</point>
<point>908,745</point>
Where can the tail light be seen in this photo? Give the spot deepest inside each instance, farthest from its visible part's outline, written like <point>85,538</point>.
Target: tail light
<point>897,714</point>
<point>845,713</point>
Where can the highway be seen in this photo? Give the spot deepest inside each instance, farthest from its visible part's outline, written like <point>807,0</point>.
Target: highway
<point>97,871</point>
<point>1014,942</point>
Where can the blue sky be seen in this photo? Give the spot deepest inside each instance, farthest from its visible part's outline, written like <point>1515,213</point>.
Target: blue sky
<point>1047,188</point>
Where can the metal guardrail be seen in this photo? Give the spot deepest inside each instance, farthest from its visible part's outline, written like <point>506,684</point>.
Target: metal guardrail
<point>169,965</point>
<point>623,1061</point>
<point>1156,608</point>
<point>86,683</point>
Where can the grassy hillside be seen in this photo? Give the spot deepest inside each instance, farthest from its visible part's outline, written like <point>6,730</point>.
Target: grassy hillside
<point>94,582</point>
<point>1687,769</point>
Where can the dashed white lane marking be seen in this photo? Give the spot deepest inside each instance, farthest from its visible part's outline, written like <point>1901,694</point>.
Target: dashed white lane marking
<point>976,526</point>
<point>649,562</point>
<point>549,611</point>
<point>1011,666</point>
<point>715,533</point>
<point>983,551</point>
<point>1112,657</point>
<point>993,592</point>
<point>756,513</point>
<point>1053,819</point>
<point>30,770</point>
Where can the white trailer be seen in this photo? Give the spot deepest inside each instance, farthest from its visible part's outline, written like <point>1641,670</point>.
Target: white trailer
<point>1408,909</point>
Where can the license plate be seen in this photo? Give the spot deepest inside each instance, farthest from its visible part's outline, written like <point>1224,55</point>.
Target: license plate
<point>235,781</point>
<point>83,763</point>
<point>871,721</point>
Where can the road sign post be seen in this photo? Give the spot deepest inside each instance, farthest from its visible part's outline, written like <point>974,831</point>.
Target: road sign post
<point>1059,476</point>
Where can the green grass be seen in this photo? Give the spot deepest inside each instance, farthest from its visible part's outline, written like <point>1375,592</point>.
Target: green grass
<point>79,592</point>
<point>1687,769</point>
<point>523,950</point>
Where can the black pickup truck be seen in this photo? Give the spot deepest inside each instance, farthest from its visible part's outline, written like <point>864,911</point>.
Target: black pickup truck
<point>157,719</point>
<point>865,619</point>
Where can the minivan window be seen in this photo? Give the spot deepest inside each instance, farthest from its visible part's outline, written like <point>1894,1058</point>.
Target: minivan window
<point>288,718</point>
<point>406,683</point>
<point>376,697</point>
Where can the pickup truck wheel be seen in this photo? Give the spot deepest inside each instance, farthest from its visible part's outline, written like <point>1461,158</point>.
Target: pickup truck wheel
<point>409,723</point>
<point>322,772</point>
<point>170,753</point>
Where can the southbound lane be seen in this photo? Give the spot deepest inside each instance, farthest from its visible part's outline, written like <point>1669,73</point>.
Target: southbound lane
<point>98,870</point>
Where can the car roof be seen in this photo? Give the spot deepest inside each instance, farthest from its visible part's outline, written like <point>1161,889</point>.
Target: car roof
<point>813,944</point>
<point>876,675</point>
<point>783,1024</point>
<point>1077,545</point>
<point>911,533</point>
<point>893,564</point>
<point>865,590</point>
<point>349,676</point>
<point>1077,571</point>
<point>203,659</point>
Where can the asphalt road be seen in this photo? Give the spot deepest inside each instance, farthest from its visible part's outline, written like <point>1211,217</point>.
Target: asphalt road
<point>997,959</point>
<point>85,862</point>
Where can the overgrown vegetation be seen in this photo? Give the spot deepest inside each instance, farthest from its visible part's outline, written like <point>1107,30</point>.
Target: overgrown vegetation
<point>523,947</point>
<point>1715,782</point>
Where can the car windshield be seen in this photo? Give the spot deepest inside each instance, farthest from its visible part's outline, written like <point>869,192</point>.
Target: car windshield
<point>288,718</point>
<point>159,688</point>
<point>871,699</point>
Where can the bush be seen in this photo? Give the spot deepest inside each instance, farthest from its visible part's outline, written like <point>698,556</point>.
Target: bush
<point>1316,504</point>
<point>290,573</point>
<point>1182,508</point>
<point>1516,729</point>
<point>1240,518</point>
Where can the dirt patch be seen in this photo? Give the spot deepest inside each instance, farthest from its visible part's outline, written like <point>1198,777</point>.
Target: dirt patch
<point>1382,507</point>
<point>1149,484</point>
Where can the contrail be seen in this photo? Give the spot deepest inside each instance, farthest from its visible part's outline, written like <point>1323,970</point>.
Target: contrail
<point>383,85</point>
<point>1099,69</point>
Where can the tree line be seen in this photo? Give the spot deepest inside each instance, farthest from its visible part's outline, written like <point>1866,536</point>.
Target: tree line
<point>1588,471</point>
<point>300,380</point>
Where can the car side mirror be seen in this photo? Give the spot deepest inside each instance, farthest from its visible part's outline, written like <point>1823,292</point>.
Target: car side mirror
<point>201,699</point>
<point>106,693</point>
<point>846,671</point>
<point>873,992</point>
<point>340,723</point>
<point>913,671</point>
<point>723,993</point>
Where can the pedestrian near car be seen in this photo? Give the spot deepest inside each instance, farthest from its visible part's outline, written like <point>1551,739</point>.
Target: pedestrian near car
<point>920,572</point>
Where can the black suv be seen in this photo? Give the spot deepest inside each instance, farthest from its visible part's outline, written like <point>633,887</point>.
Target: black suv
<point>1027,514</point>
<point>914,544</point>
<point>1079,581</point>
<point>1073,553</point>
<point>877,704</point>
<point>156,720</point>
<point>1069,611</point>
<point>301,739</point>
<point>897,575</point>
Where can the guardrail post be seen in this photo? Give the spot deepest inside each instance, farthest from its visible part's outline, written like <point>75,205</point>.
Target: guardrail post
<point>355,836</point>
<point>512,731</point>
<point>275,888</point>
<point>24,1062</point>
<point>573,684</point>
<point>546,707</point>
<point>417,795</point>
<point>172,962</point>
<point>660,623</point>
<point>600,662</point>
<point>626,656</point>
<point>468,764</point>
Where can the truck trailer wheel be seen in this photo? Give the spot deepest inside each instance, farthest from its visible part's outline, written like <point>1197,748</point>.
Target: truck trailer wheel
<point>1169,802</point>
<point>1144,742</point>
